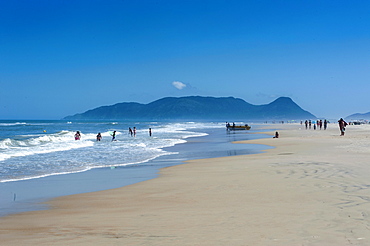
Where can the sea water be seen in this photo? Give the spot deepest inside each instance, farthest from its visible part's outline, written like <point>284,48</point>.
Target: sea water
<point>33,149</point>
<point>40,160</point>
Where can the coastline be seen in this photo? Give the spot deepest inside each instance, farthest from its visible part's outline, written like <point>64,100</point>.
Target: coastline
<point>31,194</point>
<point>311,189</point>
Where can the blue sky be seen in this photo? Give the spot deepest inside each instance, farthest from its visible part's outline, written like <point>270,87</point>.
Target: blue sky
<point>59,57</point>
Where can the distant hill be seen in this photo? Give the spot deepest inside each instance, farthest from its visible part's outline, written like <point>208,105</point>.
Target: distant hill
<point>359,116</point>
<point>198,108</point>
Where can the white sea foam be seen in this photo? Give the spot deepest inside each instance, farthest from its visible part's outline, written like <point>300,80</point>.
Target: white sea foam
<point>13,124</point>
<point>33,153</point>
<point>41,144</point>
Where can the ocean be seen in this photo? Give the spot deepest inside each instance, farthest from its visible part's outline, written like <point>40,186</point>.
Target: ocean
<point>41,159</point>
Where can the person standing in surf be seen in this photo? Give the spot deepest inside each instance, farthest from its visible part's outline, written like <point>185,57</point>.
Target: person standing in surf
<point>114,136</point>
<point>98,137</point>
<point>77,135</point>
<point>150,132</point>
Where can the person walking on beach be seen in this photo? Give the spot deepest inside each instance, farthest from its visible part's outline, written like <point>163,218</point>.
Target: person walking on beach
<point>342,126</point>
<point>98,137</point>
<point>325,124</point>
<point>77,135</point>
<point>306,124</point>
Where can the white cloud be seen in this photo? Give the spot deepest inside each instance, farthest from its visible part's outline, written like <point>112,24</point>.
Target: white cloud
<point>179,85</point>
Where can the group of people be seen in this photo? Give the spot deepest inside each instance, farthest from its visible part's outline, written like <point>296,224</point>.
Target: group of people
<point>319,124</point>
<point>132,132</point>
<point>316,124</point>
<point>308,123</point>
<point>99,137</point>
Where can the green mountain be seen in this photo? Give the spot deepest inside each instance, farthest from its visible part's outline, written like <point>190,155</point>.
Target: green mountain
<point>198,108</point>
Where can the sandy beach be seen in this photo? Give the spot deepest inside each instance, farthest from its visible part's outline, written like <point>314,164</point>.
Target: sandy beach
<point>311,189</point>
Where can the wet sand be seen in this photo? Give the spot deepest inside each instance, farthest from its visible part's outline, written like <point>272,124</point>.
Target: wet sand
<point>312,189</point>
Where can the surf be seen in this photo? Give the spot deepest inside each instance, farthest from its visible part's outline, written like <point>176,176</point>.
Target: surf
<point>41,149</point>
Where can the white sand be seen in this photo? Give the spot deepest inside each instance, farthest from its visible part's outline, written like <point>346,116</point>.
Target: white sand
<point>312,189</point>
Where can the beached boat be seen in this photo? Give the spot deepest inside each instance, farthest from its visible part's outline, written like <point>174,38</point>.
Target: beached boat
<point>233,128</point>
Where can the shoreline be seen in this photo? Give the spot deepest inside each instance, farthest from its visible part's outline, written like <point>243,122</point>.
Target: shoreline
<point>31,194</point>
<point>311,189</point>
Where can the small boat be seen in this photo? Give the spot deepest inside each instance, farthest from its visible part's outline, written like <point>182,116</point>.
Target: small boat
<point>233,128</point>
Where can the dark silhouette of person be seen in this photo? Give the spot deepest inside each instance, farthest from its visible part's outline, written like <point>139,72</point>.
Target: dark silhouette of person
<point>342,126</point>
<point>77,135</point>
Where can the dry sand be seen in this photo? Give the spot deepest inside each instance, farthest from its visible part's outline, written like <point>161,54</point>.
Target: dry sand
<point>312,189</point>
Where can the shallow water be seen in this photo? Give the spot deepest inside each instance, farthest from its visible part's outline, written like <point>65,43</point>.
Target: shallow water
<point>200,142</point>
<point>33,149</point>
